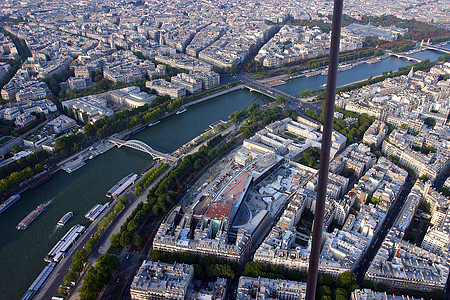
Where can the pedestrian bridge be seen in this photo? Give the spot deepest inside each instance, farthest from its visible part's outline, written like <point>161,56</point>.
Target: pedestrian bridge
<point>141,146</point>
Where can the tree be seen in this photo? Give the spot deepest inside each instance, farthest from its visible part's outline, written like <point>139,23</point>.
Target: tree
<point>115,240</point>
<point>89,129</point>
<point>429,121</point>
<point>123,200</point>
<point>16,149</point>
<point>126,238</point>
<point>137,240</point>
<point>323,291</point>
<point>280,100</point>
<point>345,280</point>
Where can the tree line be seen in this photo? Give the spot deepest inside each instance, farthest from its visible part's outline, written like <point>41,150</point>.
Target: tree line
<point>25,168</point>
<point>148,178</point>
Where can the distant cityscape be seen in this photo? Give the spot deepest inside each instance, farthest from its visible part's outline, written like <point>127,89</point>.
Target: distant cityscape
<point>229,214</point>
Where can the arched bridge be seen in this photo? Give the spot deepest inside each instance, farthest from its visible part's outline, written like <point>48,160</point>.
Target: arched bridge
<point>408,57</point>
<point>436,48</point>
<point>141,146</point>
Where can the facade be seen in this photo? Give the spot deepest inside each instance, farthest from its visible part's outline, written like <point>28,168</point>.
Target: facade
<point>24,119</point>
<point>163,87</point>
<point>155,280</point>
<point>266,289</point>
<point>189,82</point>
<point>93,107</point>
<point>62,123</point>
<point>77,82</point>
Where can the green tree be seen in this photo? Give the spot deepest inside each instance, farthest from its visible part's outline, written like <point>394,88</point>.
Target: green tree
<point>137,240</point>
<point>115,240</point>
<point>345,280</point>
<point>126,238</point>
<point>16,149</point>
<point>323,291</point>
<point>429,121</point>
<point>280,100</point>
<point>89,129</point>
<point>123,200</point>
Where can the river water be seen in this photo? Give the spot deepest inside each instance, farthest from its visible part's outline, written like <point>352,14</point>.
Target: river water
<point>22,252</point>
<point>359,72</point>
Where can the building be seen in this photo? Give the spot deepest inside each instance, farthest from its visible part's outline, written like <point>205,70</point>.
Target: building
<point>77,82</point>
<point>375,133</point>
<point>155,280</point>
<point>91,107</point>
<point>130,96</point>
<point>24,119</point>
<point>367,294</point>
<point>190,82</point>
<point>266,289</point>
<point>163,87</point>
<point>62,123</point>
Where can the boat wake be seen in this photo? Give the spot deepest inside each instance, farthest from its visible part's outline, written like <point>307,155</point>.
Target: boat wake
<point>51,200</point>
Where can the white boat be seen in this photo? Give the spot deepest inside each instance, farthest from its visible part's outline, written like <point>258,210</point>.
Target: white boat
<point>65,218</point>
<point>154,123</point>
<point>181,111</point>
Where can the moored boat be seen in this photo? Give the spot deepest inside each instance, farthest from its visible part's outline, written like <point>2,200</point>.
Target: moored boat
<point>154,123</point>
<point>10,201</point>
<point>181,111</point>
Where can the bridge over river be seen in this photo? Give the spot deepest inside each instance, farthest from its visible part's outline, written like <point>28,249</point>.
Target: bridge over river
<point>141,146</point>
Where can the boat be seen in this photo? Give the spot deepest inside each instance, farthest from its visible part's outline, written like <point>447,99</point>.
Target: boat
<point>94,212</point>
<point>39,281</point>
<point>74,167</point>
<point>40,181</point>
<point>121,185</point>
<point>313,73</point>
<point>65,243</point>
<point>138,130</point>
<point>375,60</point>
<point>10,201</point>
<point>345,67</point>
<point>30,217</point>
<point>154,123</point>
<point>181,111</point>
<point>65,218</point>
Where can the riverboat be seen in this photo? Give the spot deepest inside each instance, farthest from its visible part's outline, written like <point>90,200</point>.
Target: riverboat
<point>65,218</point>
<point>181,111</point>
<point>40,181</point>
<point>154,123</point>
<point>10,201</point>
<point>30,217</point>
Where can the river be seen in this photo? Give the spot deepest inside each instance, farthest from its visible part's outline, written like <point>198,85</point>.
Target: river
<point>357,73</point>
<point>22,252</point>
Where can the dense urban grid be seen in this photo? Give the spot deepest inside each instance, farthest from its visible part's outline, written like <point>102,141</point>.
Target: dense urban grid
<point>229,215</point>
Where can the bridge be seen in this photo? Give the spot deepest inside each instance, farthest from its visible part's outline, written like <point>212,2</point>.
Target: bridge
<point>408,57</point>
<point>141,146</point>
<point>268,91</point>
<point>435,48</point>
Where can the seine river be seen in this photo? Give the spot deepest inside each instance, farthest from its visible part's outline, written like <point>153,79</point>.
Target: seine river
<point>22,252</point>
